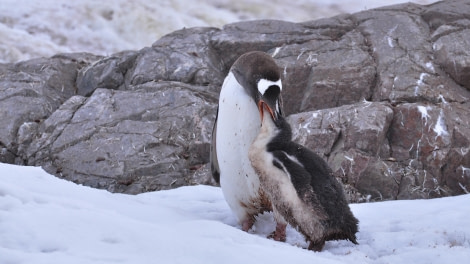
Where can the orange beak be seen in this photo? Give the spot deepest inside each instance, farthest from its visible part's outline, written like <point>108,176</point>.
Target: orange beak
<point>262,104</point>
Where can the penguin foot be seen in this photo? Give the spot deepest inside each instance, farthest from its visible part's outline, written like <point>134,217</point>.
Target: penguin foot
<point>247,224</point>
<point>316,246</point>
<point>280,233</point>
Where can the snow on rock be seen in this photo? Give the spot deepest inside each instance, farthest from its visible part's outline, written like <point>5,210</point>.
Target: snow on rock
<point>48,220</point>
<point>440,127</point>
<point>424,112</point>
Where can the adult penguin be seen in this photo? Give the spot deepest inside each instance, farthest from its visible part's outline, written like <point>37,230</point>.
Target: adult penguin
<point>237,125</point>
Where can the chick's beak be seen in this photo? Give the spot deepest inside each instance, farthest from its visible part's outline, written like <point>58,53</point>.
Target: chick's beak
<point>263,105</point>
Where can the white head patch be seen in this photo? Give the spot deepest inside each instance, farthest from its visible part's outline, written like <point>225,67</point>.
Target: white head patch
<point>264,84</point>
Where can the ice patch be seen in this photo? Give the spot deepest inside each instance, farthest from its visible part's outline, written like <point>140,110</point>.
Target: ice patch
<point>367,103</point>
<point>421,79</point>
<point>424,113</point>
<point>276,51</point>
<point>443,100</point>
<point>312,58</point>
<point>464,188</point>
<point>390,42</point>
<point>390,32</point>
<point>464,151</point>
<point>417,148</point>
<point>430,66</point>
<point>440,127</point>
<point>420,82</point>
<point>305,126</point>
<point>465,171</point>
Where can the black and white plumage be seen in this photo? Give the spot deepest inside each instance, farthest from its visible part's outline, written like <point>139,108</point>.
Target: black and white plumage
<point>236,126</point>
<point>299,183</point>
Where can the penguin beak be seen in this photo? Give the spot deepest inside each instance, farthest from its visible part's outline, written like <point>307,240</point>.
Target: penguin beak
<point>263,105</point>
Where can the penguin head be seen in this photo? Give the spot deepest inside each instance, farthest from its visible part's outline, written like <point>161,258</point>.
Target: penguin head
<point>259,75</point>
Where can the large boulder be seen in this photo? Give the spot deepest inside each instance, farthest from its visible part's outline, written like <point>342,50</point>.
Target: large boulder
<point>123,140</point>
<point>31,91</point>
<point>382,95</point>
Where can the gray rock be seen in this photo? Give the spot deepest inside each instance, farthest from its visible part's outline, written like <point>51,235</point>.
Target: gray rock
<point>317,74</point>
<point>30,91</point>
<point>382,95</point>
<point>351,139</point>
<point>238,38</point>
<point>107,72</point>
<point>127,141</point>
<point>183,56</point>
<point>454,42</point>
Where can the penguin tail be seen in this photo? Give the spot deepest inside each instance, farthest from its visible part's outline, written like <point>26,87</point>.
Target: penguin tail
<point>342,235</point>
<point>352,238</point>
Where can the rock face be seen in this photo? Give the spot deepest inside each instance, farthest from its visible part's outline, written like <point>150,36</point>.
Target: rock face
<point>382,94</point>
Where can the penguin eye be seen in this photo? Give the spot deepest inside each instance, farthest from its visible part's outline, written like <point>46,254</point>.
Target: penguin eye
<point>264,85</point>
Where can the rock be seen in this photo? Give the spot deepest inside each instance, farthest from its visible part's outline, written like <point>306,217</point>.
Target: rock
<point>454,42</point>
<point>382,95</point>
<point>264,35</point>
<point>351,139</point>
<point>181,56</point>
<point>6,156</point>
<point>317,74</point>
<point>107,72</point>
<point>30,91</point>
<point>127,138</point>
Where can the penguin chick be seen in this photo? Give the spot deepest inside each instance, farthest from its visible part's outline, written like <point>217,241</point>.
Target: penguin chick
<point>299,183</point>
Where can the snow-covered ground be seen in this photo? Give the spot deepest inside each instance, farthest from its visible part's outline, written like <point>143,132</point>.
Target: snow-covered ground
<point>44,219</point>
<point>30,29</point>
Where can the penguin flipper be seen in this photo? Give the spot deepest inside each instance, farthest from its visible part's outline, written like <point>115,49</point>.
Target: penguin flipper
<point>213,155</point>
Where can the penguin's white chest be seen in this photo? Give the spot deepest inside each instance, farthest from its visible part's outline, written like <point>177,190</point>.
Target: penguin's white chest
<point>238,125</point>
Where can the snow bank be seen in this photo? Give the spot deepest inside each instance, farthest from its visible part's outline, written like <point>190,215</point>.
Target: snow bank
<point>30,29</point>
<point>44,219</point>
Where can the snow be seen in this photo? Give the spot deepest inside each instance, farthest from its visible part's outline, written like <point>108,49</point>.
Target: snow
<point>44,219</point>
<point>421,79</point>
<point>420,82</point>
<point>390,42</point>
<point>389,36</point>
<point>424,112</point>
<point>276,51</point>
<point>443,100</point>
<point>440,127</point>
<point>430,66</point>
<point>30,29</point>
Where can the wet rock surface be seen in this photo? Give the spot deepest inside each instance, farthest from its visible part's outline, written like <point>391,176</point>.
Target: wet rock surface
<point>382,95</point>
